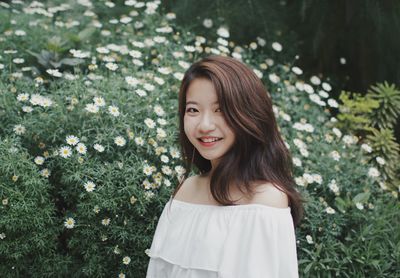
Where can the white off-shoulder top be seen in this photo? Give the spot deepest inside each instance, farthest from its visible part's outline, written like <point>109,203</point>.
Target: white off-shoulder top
<point>207,241</point>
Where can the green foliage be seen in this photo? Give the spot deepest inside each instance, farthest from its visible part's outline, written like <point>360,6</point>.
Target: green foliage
<point>354,111</point>
<point>384,145</point>
<point>98,157</point>
<point>372,116</point>
<point>29,226</point>
<point>389,105</point>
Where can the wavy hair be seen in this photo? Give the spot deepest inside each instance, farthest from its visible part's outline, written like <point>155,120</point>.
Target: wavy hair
<point>258,153</point>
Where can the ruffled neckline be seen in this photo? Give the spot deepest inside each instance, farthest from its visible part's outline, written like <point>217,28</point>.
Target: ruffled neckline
<point>233,207</point>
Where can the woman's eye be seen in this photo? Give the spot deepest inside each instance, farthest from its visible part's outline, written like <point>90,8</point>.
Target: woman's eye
<point>218,110</point>
<point>190,110</point>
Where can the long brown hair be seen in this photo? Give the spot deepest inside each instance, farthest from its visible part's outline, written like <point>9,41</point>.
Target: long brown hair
<point>258,153</point>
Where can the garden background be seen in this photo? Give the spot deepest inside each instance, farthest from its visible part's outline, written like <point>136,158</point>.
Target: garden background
<point>88,133</point>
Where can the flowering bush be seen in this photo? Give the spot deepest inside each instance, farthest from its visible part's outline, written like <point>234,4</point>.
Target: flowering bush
<point>91,109</point>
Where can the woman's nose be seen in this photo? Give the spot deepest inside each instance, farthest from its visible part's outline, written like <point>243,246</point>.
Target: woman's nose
<point>206,123</point>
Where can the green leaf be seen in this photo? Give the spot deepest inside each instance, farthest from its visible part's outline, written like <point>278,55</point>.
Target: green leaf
<point>361,197</point>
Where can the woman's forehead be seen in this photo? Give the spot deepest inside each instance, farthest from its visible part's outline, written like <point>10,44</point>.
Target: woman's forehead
<point>201,91</point>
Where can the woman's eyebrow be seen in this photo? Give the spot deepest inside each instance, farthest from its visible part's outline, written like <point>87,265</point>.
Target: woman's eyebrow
<point>193,102</point>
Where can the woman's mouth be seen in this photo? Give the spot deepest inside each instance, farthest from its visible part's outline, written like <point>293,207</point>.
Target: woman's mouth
<point>210,141</point>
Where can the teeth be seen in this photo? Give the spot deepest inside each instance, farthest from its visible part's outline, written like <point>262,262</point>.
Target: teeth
<point>209,140</point>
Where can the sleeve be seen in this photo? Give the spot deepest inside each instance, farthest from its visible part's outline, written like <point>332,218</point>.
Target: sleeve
<point>261,244</point>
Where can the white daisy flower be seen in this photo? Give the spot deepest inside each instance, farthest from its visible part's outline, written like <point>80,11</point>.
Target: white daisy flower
<point>297,70</point>
<point>297,161</point>
<point>69,223</point>
<point>135,54</point>
<point>54,72</point>
<point>333,186</point>
<point>258,73</point>
<point>335,155</point>
<point>337,132</point>
<point>19,129</point>
<point>133,200</point>
<point>141,93</point>
<point>20,33</point>
<point>183,64</point>
<point>113,110</point>
<point>150,123</point>
<point>162,121</point>
<point>99,101</point>
<point>223,32</point>
<point>274,78</point>
<point>373,172</point>
<point>300,181</point>
<point>178,75</point>
<point>167,183</point>
<point>132,81</point>
<point>65,151</point>
<point>18,60</point>
<point>315,80</point>
<point>309,239</point>
<point>39,160</point>
<point>323,94</point>
<point>159,39</point>
<point>366,148</point>
<point>359,206</point>
<point>166,170</point>
<point>277,46</point>
<point>72,140</point>
<point>380,160</point>
<point>208,23</point>
<point>189,48</point>
<point>326,86</point>
<point>98,148</point>
<point>164,158</point>
<point>126,260</point>
<point>23,97</point>
<point>103,50</point>
<point>148,87</point>
<point>139,141</point>
<point>159,110</point>
<point>164,70</point>
<point>112,66</point>
<point>308,88</point>
<point>159,80</point>
<point>147,170</point>
<point>45,172</point>
<point>174,153</point>
<point>89,186</point>
<point>180,170</point>
<point>81,148</point>
<point>106,221</point>
<point>333,103</point>
<point>170,16</point>
<point>161,134</point>
<point>92,108</point>
<point>125,19</point>
<point>330,210</point>
<point>120,141</point>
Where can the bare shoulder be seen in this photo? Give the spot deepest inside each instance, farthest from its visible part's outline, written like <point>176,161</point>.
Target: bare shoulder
<point>269,195</point>
<point>185,192</point>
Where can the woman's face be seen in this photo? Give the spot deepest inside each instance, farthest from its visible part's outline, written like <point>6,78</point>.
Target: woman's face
<point>204,122</point>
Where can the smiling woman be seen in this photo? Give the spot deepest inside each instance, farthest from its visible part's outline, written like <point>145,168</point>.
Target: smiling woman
<point>204,121</point>
<point>229,132</point>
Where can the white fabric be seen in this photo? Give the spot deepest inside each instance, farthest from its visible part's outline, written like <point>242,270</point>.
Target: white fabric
<point>206,241</point>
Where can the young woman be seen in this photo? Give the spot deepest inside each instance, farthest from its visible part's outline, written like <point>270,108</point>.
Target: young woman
<point>237,218</point>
